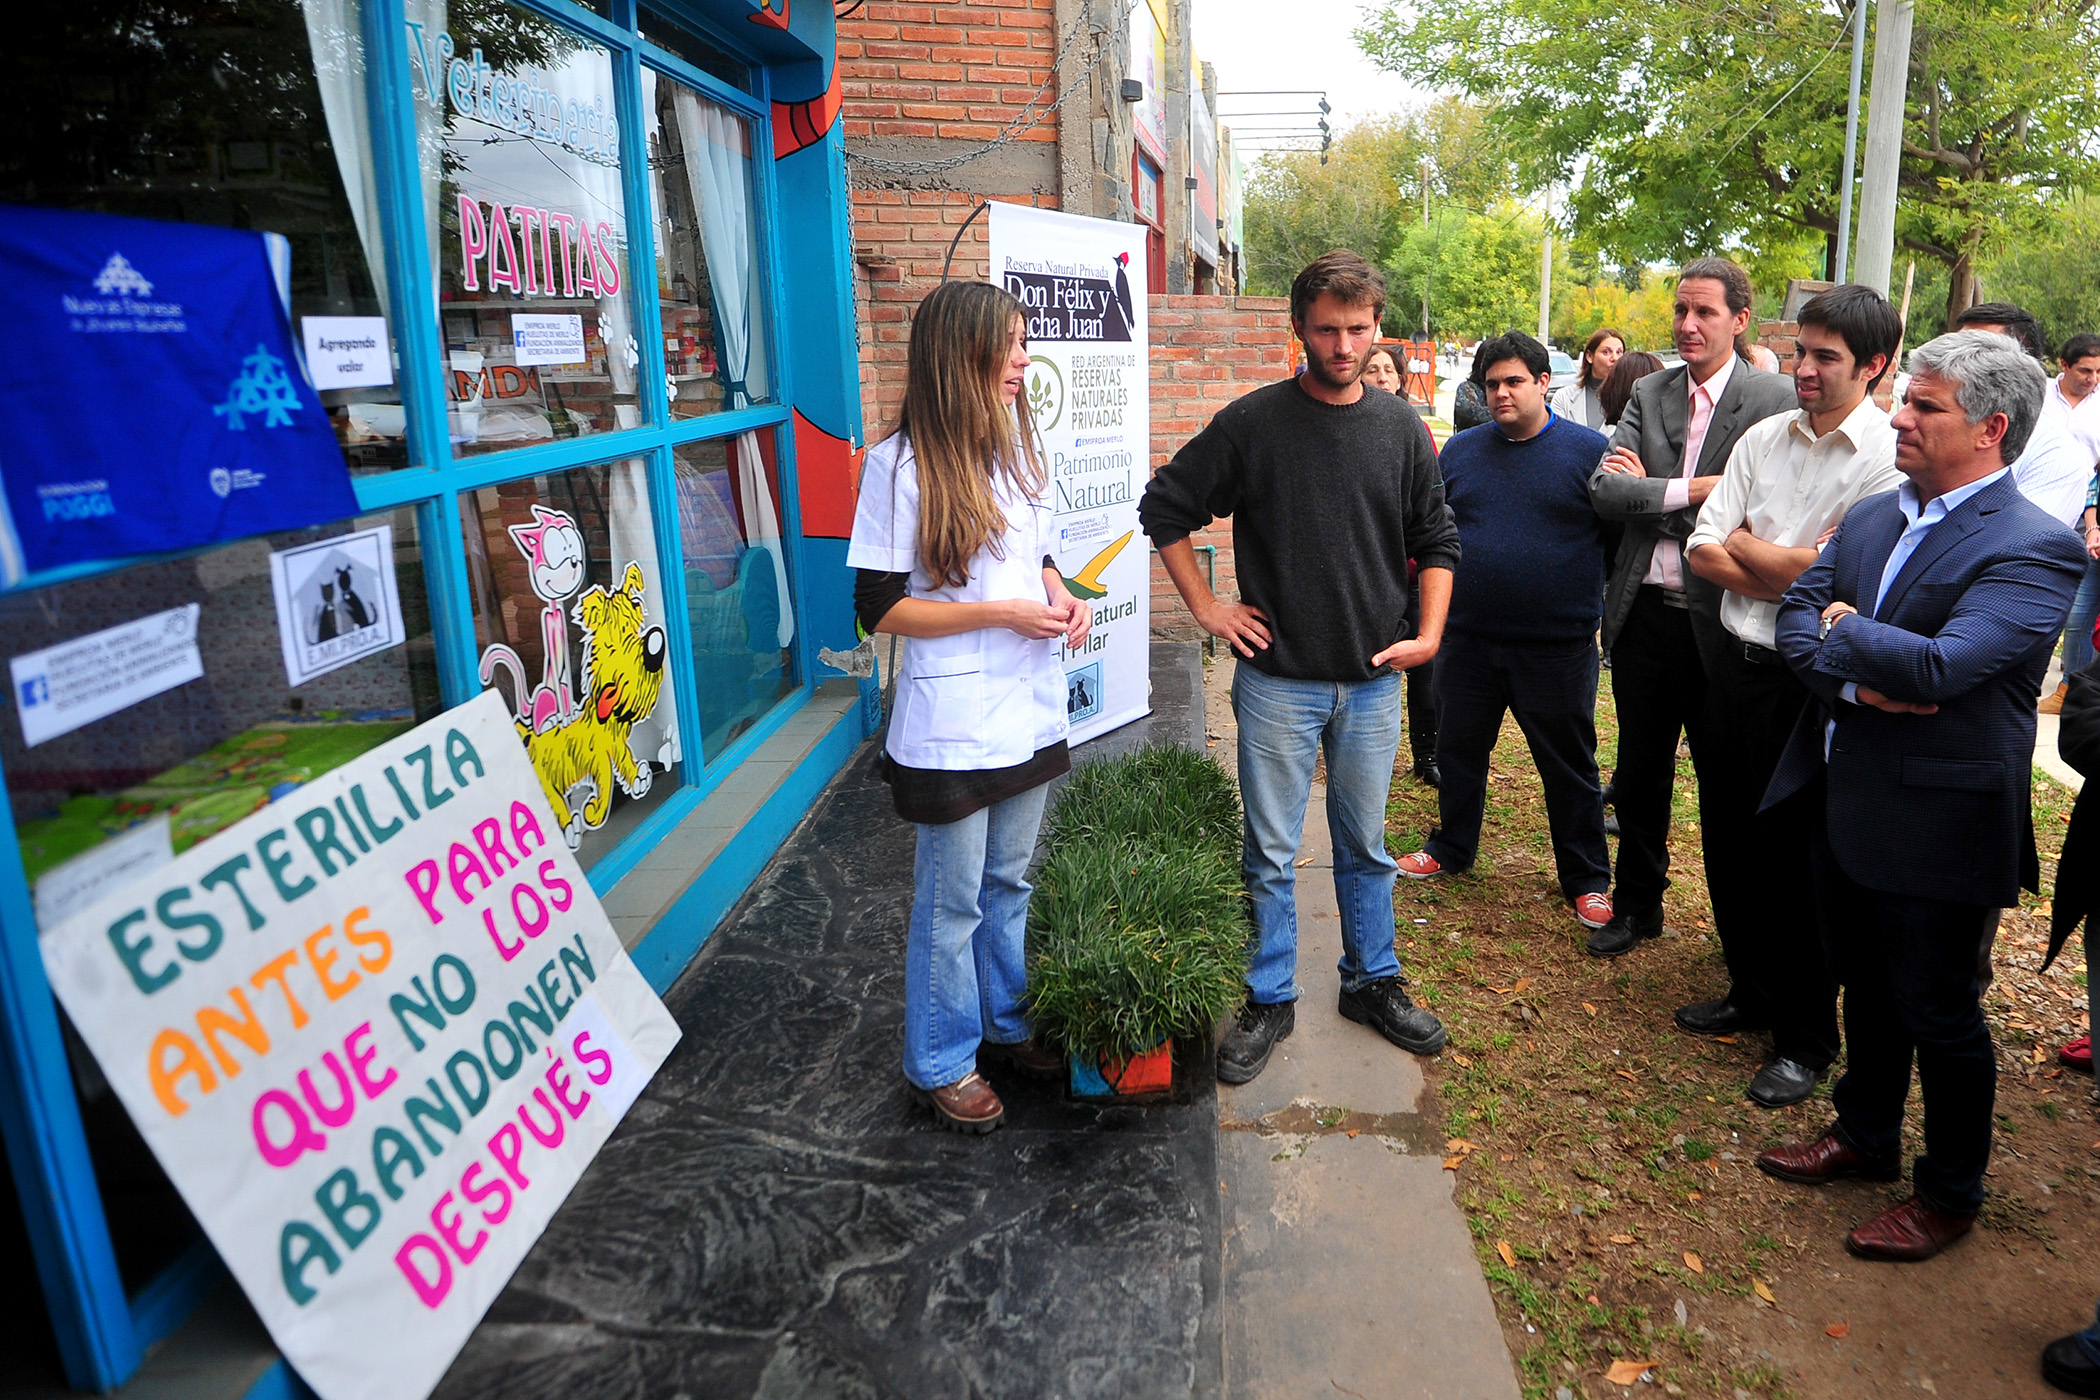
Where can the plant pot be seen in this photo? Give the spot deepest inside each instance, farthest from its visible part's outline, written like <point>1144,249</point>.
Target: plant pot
<point>1144,1077</point>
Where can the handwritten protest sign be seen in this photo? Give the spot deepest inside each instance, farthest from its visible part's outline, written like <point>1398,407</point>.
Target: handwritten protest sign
<point>374,1033</point>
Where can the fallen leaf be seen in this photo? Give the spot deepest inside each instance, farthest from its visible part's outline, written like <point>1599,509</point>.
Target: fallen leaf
<point>1461,1061</point>
<point>2040,1054</point>
<point>1522,983</point>
<point>1725,1039</point>
<point>1452,1164</point>
<point>1509,1256</point>
<point>1696,1197</point>
<point>1352,1132</point>
<point>1839,1330</point>
<point>1460,1145</point>
<point>1627,1372</point>
<point>1589,1008</point>
<point>1500,991</point>
<point>1713,1166</point>
<point>1627,1074</point>
<point>1303,863</point>
<point>1764,1290</point>
<point>1622,1239</point>
<point>1691,1261</point>
<point>1593,1301</point>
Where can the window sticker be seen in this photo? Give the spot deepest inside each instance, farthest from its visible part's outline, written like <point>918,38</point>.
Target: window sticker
<point>61,688</point>
<point>337,600</point>
<point>347,352</point>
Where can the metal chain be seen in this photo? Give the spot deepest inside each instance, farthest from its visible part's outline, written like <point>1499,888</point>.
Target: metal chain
<point>1014,130</point>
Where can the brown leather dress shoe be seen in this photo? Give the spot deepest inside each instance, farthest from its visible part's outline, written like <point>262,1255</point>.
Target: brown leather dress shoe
<point>1826,1159</point>
<point>967,1106</point>
<point>1030,1057</point>
<point>1905,1234</point>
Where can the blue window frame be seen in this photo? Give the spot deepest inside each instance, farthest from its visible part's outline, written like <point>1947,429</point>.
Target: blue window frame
<point>724,458</point>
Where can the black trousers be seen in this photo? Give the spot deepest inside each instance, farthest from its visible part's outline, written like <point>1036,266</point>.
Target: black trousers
<point>1911,992</point>
<point>1421,689</point>
<point>1757,870</point>
<point>1551,687</point>
<point>1659,686</point>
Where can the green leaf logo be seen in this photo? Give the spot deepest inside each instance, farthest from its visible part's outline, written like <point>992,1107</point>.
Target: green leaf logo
<point>1046,393</point>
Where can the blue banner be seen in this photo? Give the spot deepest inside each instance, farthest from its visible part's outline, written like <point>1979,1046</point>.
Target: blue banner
<point>155,400</point>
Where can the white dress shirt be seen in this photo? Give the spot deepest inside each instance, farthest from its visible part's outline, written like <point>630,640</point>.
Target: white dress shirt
<point>1787,486</point>
<point>1666,565</point>
<point>2082,418</point>
<point>2055,469</point>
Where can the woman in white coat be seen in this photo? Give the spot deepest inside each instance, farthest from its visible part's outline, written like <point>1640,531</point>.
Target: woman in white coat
<point>1579,401</point>
<point>951,541</point>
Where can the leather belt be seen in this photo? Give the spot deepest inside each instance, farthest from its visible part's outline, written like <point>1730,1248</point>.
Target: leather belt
<point>1761,656</point>
<point>1669,598</point>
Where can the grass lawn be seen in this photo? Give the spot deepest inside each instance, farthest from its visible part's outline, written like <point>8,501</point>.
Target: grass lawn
<point>1604,1159</point>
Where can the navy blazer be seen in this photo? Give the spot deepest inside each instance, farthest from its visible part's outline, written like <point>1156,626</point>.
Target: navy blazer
<point>1932,806</point>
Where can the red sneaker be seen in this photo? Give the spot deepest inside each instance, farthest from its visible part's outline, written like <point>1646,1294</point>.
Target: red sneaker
<point>1420,866</point>
<point>1593,910</point>
<point>2078,1054</point>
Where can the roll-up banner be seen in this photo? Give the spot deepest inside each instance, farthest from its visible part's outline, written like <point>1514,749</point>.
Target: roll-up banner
<point>1082,284</point>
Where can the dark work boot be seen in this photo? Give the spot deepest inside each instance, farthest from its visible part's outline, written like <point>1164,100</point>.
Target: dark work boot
<point>1244,1052</point>
<point>1385,1006</point>
<point>1624,933</point>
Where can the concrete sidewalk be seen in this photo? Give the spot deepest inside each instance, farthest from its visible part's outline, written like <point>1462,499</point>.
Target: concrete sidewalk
<point>1348,1268</point>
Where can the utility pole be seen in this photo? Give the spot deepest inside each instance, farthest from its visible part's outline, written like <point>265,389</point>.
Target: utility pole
<point>1877,195</point>
<point>1859,49</point>
<point>1429,266</point>
<point>1546,273</point>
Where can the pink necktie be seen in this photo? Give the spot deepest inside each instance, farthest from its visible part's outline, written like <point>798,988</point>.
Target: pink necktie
<point>1669,553</point>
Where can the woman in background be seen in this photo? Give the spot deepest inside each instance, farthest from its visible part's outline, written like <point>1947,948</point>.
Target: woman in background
<point>951,541</point>
<point>1382,371</point>
<point>1578,401</point>
<point>1612,397</point>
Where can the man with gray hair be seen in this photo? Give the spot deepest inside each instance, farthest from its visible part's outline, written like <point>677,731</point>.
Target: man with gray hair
<point>1923,632</point>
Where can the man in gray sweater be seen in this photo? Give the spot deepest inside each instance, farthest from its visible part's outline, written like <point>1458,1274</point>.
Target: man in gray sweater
<point>1332,492</point>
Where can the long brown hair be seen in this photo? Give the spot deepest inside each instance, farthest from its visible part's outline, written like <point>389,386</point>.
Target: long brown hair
<point>1589,375</point>
<point>961,436</point>
<point>1633,366</point>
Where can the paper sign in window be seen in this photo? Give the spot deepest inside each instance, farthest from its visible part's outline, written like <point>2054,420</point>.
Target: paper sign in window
<point>547,340</point>
<point>347,352</point>
<point>61,688</point>
<point>337,601</point>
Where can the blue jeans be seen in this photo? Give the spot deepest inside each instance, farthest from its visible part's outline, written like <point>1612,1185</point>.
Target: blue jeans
<point>1284,724</point>
<point>2078,627</point>
<point>965,957</point>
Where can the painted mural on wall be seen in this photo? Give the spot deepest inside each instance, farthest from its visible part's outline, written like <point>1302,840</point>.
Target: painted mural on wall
<point>619,676</point>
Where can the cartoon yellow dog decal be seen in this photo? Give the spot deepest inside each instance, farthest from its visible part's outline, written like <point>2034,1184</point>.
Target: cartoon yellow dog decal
<point>622,676</point>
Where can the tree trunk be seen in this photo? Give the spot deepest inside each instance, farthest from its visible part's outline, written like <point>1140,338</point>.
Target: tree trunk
<point>1963,290</point>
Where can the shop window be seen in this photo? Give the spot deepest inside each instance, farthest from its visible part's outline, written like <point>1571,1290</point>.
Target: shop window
<point>108,801</point>
<point>248,115</point>
<point>569,622</point>
<point>534,284</point>
<point>738,602</point>
<point>709,277</point>
<point>669,35</point>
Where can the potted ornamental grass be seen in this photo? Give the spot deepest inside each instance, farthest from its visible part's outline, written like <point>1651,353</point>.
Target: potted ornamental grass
<point>1137,933</point>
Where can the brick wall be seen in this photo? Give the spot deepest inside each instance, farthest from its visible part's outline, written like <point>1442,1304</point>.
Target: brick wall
<point>1206,352</point>
<point>921,82</point>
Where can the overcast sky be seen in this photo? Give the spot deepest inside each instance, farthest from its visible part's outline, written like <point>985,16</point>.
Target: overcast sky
<point>1294,44</point>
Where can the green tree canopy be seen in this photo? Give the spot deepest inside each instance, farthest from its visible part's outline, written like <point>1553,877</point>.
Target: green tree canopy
<point>1686,130</point>
<point>1371,188</point>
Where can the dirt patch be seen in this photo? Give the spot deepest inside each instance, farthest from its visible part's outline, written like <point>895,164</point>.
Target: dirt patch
<point>1605,1160</point>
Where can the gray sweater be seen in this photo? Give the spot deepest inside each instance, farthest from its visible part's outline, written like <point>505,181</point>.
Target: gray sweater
<point>1328,505</point>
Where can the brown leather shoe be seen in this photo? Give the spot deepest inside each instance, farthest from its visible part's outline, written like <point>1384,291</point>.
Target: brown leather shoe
<point>1030,1057</point>
<point>1826,1159</point>
<point>968,1105</point>
<point>2053,703</point>
<point>1915,1230</point>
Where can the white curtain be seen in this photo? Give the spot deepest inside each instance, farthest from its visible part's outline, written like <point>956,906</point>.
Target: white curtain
<point>633,539</point>
<point>716,144</point>
<point>334,34</point>
<point>762,526</point>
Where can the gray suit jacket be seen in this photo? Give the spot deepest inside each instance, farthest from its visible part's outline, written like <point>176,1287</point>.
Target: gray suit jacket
<point>1654,426</point>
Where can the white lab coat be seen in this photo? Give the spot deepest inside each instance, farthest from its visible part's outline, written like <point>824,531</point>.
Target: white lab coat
<point>984,699</point>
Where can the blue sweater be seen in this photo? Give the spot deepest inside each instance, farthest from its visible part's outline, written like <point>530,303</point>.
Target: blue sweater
<point>1531,556</point>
